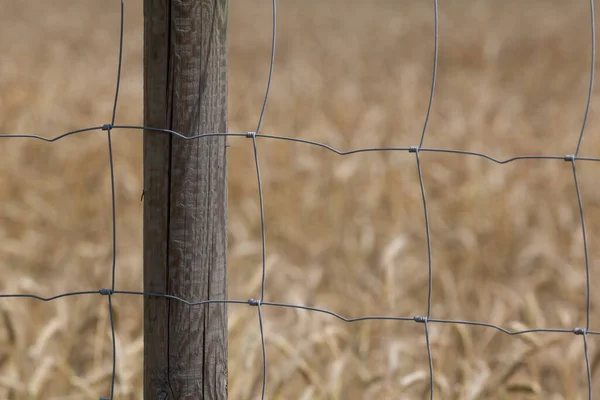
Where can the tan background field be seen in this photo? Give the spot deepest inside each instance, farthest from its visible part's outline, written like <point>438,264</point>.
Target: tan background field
<point>344,233</point>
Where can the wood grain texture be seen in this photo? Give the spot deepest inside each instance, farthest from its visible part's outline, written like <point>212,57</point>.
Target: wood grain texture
<point>185,200</point>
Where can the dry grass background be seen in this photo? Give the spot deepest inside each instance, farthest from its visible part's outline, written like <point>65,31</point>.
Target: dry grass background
<point>344,233</point>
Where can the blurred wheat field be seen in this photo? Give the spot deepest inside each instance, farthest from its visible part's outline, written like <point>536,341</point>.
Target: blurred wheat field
<point>343,233</point>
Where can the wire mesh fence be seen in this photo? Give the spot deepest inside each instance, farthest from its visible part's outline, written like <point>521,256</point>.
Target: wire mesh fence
<point>573,158</point>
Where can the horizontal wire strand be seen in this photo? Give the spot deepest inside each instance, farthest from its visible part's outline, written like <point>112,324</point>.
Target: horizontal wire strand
<point>312,143</point>
<point>252,302</point>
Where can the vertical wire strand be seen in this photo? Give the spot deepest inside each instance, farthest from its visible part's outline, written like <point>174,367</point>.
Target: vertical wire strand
<point>434,75</point>
<point>110,151</point>
<point>587,365</point>
<point>260,121</point>
<point>587,279</point>
<point>430,271</point>
<point>264,351</point>
<point>114,210</point>
<point>430,358</point>
<point>271,66</point>
<point>427,233</point>
<point>114,347</point>
<point>585,247</point>
<point>113,205</point>
<point>591,85</point>
<point>263,232</point>
<point>120,63</point>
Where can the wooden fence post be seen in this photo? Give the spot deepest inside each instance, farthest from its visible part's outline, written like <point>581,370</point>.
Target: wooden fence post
<point>185,199</point>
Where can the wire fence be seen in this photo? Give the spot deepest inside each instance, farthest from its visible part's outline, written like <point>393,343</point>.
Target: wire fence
<point>426,319</point>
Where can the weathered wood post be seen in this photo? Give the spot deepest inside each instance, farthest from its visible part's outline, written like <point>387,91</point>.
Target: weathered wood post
<point>185,199</point>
